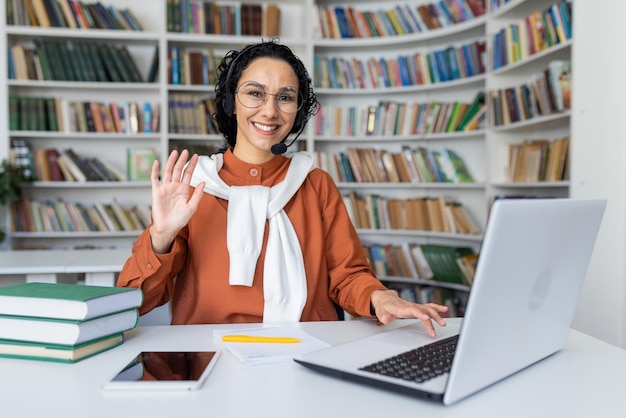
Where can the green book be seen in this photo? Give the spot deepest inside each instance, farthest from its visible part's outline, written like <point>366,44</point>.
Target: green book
<point>33,113</point>
<point>109,66</point>
<point>462,172</point>
<point>95,62</point>
<point>44,60</point>
<point>51,115</point>
<point>66,301</point>
<point>67,61</point>
<point>14,113</point>
<point>455,116</point>
<point>39,105</point>
<point>442,260</point>
<point>82,54</point>
<point>472,109</point>
<point>79,65</point>
<point>118,61</point>
<point>59,352</point>
<point>129,63</point>
<point>153,73</point>
<point>65,331</point>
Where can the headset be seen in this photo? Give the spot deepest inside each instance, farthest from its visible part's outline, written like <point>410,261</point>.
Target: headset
<point>229,99</point>
<point>229,102</point>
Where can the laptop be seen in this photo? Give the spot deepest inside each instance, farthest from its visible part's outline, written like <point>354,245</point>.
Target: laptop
<point>533,261</point>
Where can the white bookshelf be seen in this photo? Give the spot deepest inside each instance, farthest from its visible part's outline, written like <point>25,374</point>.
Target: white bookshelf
<point>109,147</point>
<point>550,127</point>
<point>469,145</point>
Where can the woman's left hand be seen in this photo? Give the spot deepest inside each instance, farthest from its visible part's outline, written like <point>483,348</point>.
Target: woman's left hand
<point>389,306</point>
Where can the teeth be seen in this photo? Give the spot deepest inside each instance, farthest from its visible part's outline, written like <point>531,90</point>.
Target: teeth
<point>265,127</point>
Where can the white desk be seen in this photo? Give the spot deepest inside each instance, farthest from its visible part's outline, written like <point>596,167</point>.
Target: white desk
<point>99,265</point>
<point>586,379</point>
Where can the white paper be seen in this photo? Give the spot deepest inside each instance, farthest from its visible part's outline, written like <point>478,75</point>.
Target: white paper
<point>262,353</point>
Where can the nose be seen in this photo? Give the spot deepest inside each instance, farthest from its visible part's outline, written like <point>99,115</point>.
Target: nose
<point>270,105</point>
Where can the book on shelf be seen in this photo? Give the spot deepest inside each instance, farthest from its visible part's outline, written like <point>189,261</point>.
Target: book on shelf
<point>443,262</point>
<point>59,352</point>
<point>139,163</point>
<point>419,165</point>
<point>467,263</point>
<point>538,160</point>
<point>66,301</point>
<point>271,20</point>
<point>381,71</point>
<point>220,19</point>
<point>559,72</point>
<point>547,92</point>
<point>34,114</point>
<point>474,107</point>
<point>427,262</point>
<point>418,214</point>
<point>70,14</point>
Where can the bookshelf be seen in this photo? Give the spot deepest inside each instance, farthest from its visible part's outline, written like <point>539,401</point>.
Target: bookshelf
<point>72,91</point>
<point>484,149</point>
<point>144,46</point>
<point>342,100</point>
<point>550,126</point>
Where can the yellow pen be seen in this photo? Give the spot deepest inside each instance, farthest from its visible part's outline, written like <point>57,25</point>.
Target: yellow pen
<point>255,339</point>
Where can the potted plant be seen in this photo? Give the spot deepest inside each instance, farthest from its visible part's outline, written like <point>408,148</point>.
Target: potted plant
<point>11,180</point>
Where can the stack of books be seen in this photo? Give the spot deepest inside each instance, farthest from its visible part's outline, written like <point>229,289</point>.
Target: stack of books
<point>64,322</point>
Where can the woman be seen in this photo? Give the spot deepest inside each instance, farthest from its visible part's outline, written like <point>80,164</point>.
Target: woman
<point>249,235</point>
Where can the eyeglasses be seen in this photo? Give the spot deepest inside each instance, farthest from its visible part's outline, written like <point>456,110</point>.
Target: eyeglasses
<point>253,95</point>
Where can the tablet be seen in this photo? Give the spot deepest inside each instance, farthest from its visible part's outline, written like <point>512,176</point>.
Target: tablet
<point>164,370</point>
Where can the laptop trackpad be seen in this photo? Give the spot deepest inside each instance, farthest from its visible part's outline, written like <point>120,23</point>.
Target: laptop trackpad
<point>413,336</point>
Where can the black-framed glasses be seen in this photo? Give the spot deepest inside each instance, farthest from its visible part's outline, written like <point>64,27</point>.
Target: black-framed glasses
<point>252,95</point>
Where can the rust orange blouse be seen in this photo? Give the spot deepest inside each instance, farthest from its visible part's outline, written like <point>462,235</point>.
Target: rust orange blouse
<point>194,274</point>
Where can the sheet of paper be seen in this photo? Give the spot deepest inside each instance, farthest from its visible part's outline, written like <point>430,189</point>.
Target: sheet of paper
<point>262,353</point>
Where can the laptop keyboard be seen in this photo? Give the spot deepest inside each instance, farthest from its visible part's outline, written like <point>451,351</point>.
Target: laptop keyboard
<point>420,364</point>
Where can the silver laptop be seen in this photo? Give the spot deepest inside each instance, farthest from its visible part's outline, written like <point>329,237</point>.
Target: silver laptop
<point>533,261</point>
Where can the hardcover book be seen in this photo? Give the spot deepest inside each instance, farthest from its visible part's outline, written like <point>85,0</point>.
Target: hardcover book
<point>65,331</point>
<point>66,301</point>
<point>58,352</point>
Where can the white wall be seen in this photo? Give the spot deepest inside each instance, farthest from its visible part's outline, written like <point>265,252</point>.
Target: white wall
<point>598,158</point>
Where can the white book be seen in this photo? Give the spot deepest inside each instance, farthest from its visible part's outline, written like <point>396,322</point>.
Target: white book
<point>111,226</point>
<point>121,215</point>
<point>145,214</point>
<point>421,262</point>
<point>65,161</point>
<point>406,249</point>
<point>67,332</point>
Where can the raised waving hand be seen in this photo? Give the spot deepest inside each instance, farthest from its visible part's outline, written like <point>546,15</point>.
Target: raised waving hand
<point>172,203</point>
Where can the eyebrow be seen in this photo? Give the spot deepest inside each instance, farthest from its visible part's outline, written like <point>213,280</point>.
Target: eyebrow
<point>265,87</point>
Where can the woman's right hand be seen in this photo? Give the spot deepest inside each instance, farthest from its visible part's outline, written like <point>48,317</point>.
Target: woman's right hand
<point>172,206</point>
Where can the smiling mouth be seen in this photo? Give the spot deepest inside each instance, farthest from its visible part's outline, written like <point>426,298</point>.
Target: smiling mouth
<point>265,128</point>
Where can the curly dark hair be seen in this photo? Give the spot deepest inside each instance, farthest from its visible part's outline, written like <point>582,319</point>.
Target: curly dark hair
<point>229,71</point>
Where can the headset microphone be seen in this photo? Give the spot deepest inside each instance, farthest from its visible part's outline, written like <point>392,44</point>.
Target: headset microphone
<point>281,148</point>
